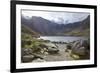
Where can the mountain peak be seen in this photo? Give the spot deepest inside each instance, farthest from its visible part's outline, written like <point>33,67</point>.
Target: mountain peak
<point>47,27</point>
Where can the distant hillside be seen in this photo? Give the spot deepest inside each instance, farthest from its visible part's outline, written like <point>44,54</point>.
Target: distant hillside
<point>81,28</point>
<point>40,25</point>
<point>27,30</point>
<point>46,27</point>
<point>76,32</point>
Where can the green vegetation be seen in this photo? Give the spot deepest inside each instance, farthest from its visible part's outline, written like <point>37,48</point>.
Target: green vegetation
<point>34,48</point>
<point>25,29</point>
<point>27,39</point>
<point>76,32</point>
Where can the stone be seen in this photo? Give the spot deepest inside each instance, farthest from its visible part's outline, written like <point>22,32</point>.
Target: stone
<point>26,51</point>
<point>79,51</point>
<point>75,56</point>
<point>39,60</point>
<point>27,58</point>
<point>81,48</point>
<point>53,50</point>
<point>68,47</point>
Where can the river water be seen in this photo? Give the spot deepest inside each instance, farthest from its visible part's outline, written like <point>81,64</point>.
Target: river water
<point>63,38</point>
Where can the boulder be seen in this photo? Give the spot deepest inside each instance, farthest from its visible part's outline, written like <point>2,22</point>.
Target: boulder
<point>46,53</point>
<point>27,58</point>
<point>52,50</point>
<point>81,48</point>
<point>43,50</point>
<point>26,51</point>
<point>75,44</point>
<point>86,44</point>
<point>37,56</point>
<point>79,51</point>
<point>68,47</point>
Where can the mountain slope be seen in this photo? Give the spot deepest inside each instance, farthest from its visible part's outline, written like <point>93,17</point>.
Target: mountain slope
<point>40,25</point>
<point>46,27</point>
<point>81,28</point>
<point>26,30</point>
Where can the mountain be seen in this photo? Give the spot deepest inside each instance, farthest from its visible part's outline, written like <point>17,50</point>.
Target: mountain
<point>26,30</point>
<point>81,28</point>
<point>40,25</point>
<point>45,27</point>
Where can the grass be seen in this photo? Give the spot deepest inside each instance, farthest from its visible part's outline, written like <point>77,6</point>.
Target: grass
<point>76,32</point>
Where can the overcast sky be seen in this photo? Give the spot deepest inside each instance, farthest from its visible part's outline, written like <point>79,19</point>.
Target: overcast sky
<point>58,17</point>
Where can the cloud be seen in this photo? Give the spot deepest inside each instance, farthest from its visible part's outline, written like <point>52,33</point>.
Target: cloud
<point>58,17</point>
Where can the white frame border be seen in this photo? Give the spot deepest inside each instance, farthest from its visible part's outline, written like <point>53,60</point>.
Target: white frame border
<point>20,65</point>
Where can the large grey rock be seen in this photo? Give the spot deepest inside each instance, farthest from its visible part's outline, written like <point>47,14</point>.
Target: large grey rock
<point>52,50</point>
<point>26,51</point>
<point>81,47</point>
<point>79,51</point>
<point>86,44</point>
<point>68,47</point>
<point>37,56</point>
<point>27,58</point>
<point>75,44</point>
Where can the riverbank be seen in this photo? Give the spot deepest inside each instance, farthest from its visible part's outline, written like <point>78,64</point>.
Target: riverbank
<point>60,56</point>
<point>45,51</point>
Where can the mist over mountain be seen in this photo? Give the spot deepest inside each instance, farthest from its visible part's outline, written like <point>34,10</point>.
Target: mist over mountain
<point>46,27</point>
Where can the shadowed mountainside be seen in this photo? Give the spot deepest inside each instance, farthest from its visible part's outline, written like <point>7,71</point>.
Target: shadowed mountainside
<point>45,27</point>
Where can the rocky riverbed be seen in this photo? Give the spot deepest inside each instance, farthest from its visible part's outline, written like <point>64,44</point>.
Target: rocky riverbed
<point>60,56</point>
<point>46,52</point>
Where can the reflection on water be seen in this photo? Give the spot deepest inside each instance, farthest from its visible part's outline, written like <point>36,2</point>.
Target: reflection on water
<point>63,38</point>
